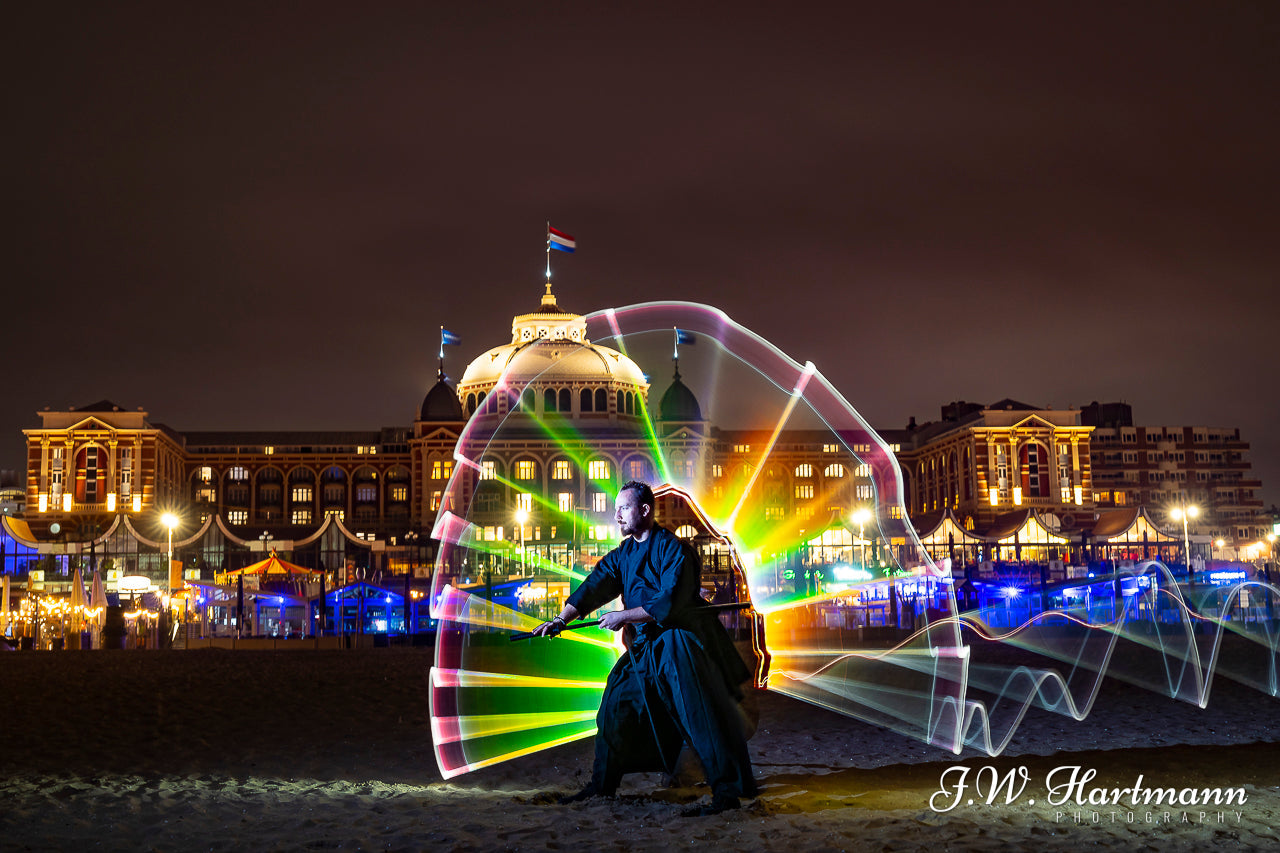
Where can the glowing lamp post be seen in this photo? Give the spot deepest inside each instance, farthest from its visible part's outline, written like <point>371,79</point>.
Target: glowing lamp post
<point>1183,513</point>
<point>862,515</point>
<point>170,521</point>
<point>522,515</point>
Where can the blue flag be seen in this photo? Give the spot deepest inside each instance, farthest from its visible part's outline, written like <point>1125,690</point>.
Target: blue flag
<point>448,338</point>
<point>683,337</point>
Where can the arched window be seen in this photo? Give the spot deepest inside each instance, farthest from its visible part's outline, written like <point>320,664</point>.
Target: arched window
<point>566,400</point>
<point>549,400</point>
<point>471,403</point>
<point>620,402</point>
<point>585,399</point>
<point>1034,461</point>
<point>528,401</point>
<point>602,400</point>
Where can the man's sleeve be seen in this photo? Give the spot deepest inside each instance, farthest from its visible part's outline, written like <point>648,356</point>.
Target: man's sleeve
<point>603,585</point>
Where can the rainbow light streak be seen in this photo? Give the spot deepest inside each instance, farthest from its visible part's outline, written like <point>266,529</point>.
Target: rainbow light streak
<point>773,440</point>
<point>894,651</point>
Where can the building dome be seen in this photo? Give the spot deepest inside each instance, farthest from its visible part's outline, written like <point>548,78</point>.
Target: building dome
<point>441,403</point>
<point>678,403</point>
<point>549,352</point>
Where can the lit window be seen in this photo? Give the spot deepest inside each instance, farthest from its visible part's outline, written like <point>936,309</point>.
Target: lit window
<point>835,471</point>
<point>560,470</point>
<point>742,448</point>
<point>238,516</point>
<point>524,501</point>
<point>863,491</point>
<point>525,469</point>
<point>435,501</point>
<point>805,470</point>
<point>302,494</point>
<point>863,470</point>
<point>637,470</point>
<point>717,471</point>
<point>488,470</point>
<point>238,474</point>
<point>268,450</point>
<point>774,513</point>
<point>301,516</point>
<point>830,448</point>
<point>399,493</point>
<point>804,491</point>
<point>599,502</point>
<point>564,501</point>
<point>441,469</point>
<point>598,469</point>
<point>126,472</point>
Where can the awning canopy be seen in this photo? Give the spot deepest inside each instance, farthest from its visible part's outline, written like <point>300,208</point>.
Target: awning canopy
<point>273,565</point>
<point>1136,526</point>
<point>943,528</point>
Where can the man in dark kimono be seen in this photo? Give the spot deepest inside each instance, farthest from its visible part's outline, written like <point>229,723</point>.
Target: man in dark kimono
<point>679,680</point>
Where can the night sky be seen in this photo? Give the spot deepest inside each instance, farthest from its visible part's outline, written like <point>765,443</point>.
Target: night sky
<point>257,215</point>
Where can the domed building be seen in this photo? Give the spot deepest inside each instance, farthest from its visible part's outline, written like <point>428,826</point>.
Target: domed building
<point>554,369</point>
<point>559,418</point>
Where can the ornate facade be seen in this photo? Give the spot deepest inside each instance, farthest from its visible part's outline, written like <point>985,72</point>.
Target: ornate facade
<point>982,462</point>
<point>381,490</point>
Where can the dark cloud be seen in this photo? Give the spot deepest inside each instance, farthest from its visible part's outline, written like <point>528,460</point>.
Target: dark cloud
<point>258,216</point>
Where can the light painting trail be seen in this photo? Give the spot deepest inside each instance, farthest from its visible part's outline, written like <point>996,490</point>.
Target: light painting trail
<point>856,617</point>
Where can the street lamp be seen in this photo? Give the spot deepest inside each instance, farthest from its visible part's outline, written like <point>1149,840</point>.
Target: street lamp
<point>522,515</point>
<point>862,515</point>
<point>170,521</point>
<point>412,538</point>
<point>1183,513</point>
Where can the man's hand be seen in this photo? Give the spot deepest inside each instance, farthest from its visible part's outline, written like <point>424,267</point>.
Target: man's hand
<point>556,625</point>
<point>549,629</point>
<point>614,620</point>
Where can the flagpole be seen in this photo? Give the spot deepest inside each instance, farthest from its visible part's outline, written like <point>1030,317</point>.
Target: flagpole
<point>441,368</point>
<point>548,250</point>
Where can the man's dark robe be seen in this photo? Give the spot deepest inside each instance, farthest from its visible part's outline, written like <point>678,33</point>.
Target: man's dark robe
<point>680,679</point>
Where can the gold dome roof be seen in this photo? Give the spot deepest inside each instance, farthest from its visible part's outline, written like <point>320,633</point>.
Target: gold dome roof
<point>549,347</point>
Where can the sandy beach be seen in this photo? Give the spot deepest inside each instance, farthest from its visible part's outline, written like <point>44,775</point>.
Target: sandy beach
<point>330,750</point>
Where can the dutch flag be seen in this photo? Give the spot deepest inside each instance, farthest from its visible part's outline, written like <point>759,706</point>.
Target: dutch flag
<point>559,240</point>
